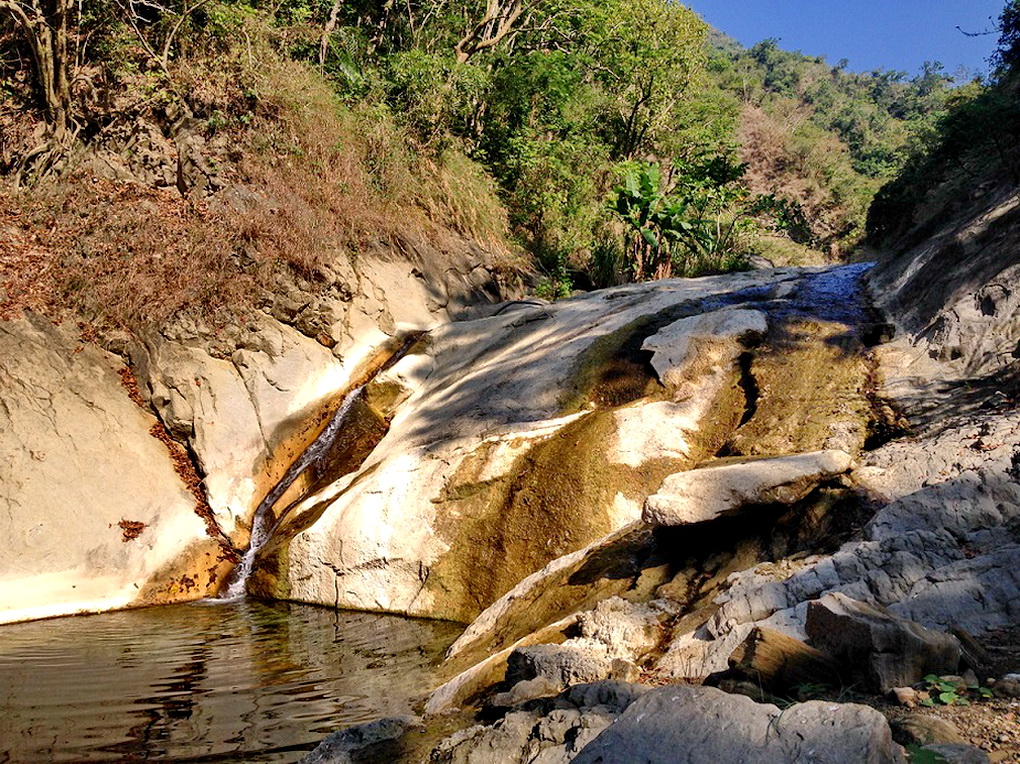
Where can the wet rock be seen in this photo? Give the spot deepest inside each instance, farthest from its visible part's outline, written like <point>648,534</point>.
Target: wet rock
<point>704,494</point>
<point>244,415</point>
<point>496,443</point>
<point>886,650</point>
<point>701,724</point>
<point>342,747</point>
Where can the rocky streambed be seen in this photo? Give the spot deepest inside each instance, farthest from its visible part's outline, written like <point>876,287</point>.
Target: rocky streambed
<point>626,496</point>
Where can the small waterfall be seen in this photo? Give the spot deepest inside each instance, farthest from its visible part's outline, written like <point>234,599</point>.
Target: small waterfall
<point>262,527</point>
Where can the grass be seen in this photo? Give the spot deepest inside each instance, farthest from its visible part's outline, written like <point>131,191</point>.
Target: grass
<point>311,185</point>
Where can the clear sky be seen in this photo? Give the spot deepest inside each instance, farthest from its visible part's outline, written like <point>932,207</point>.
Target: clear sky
<point>871,34</point>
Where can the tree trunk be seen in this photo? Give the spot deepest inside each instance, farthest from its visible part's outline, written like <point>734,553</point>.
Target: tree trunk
<point>45,28</point>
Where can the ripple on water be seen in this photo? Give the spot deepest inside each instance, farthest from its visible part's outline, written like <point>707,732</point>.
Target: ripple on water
<point>237,681</point>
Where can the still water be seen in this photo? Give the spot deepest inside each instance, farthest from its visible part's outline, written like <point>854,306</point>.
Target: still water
<point>207,682</point>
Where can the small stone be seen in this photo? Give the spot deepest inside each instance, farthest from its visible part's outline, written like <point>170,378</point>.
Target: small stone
<point>905,696</point>
<point>918,729</point>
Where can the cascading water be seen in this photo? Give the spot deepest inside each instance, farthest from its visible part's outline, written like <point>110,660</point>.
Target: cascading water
<point>263,524</point>
<point>263,527</point>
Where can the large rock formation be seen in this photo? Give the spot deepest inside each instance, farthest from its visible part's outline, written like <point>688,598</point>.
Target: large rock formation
<point>520,438</point>
<point>101,488</point>
<point>96,516</point>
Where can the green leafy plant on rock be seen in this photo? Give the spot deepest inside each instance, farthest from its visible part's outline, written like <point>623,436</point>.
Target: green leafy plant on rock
<point>947,692</point>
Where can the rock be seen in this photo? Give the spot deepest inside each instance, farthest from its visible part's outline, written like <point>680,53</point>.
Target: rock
<point>552,732</point>
<point>958,753</point>
<point>525,690</point>
<point>905,696</point>
<point>559,664</point>
<point>778,661</point>
<point>704,494</point>
<point>96,517</point>
<point>498,460</point>
<point>690,725</point>
<point>340,747</point>
<point>953,288</point>
<point>245,417</point>
<point>622,629</point>
<point>1007,686</point>
<point>941,551</point>
<point>885,650</point>
<point>715,338</point>
<point>920,729</point>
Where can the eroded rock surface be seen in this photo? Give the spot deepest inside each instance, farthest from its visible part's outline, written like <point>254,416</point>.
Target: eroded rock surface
<point>523,437</point>
<point>702,725</point>
<point>93,514</point>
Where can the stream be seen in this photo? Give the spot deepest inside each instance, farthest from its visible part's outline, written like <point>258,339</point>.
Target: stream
<point>207,682</point>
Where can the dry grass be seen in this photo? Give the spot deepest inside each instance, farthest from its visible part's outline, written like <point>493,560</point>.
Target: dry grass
<point>788,156</point>
<point>117,254</point>
<point>322,184</point>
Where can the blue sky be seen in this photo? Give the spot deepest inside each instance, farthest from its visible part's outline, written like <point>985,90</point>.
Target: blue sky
<point>871,34</point>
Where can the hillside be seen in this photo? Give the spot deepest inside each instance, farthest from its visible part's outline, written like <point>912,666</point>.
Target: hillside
<point>298,137</point>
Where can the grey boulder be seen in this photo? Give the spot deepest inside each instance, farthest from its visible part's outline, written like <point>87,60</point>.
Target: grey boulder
<point>685,724</point>
<point>886,650</point>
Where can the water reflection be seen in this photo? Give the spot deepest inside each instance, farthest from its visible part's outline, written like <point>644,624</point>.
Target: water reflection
<point>221,682</point>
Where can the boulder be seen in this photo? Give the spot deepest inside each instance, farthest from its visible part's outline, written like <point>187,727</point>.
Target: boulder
<point>779,662</point>
<point>920,729</point>
<point>704,494</point>
<point>703,725</point>
<point>714,338</point>
<point>342,747</point>
<point>559,664</point>
<point>885,650</point>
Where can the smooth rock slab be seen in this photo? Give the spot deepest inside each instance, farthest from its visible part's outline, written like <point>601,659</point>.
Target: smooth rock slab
<point>704,494</point>
<point>703,725</point>
<point>93,515</point>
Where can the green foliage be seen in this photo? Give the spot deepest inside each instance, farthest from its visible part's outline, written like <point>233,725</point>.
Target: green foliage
<point>979,134</point>
<point>577,102</point>
<point>948,693</point>
<point>686,223</point>
<point>436,95</point>
<point>1007,56</point>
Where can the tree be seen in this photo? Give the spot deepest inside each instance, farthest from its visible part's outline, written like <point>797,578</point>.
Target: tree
<point>44,24</point>
<point>1008,54</point>
<point>495,25</point>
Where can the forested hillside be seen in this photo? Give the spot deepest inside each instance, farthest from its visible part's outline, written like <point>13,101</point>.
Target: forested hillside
<point>596,142</point>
